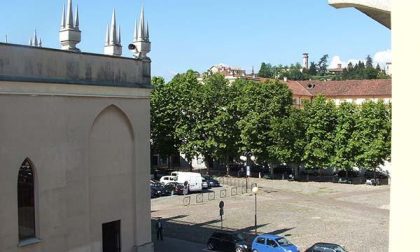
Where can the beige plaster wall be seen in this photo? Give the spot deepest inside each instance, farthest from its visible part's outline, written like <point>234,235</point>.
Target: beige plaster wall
<point>90,149</point>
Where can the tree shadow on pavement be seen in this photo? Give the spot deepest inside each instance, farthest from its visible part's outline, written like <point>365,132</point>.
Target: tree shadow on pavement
<point>197,232</point>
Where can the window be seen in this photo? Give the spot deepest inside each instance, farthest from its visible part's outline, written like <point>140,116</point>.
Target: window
<point>260,240</point>
<point>271,243</point>
<point>26,201</point>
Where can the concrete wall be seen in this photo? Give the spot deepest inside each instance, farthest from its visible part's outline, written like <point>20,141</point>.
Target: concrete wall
<point>35,64</point>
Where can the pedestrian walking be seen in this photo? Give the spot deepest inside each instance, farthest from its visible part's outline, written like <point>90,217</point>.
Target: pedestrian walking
<point>159,229</point>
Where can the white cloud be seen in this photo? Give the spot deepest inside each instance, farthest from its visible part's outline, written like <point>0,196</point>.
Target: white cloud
<point>335,61</point>
<point>382,57</point>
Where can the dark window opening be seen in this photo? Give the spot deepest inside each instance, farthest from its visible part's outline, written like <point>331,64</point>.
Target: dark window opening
<point>111,236</point>
<point>26,201</point>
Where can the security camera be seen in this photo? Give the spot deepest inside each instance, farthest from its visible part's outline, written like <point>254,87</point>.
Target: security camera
<point>133,48</point>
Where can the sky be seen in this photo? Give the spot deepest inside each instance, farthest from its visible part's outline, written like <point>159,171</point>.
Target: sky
<point>197,34</point>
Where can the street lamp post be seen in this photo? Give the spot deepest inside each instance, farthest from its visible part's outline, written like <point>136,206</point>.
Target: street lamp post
<point>247,157</point>
<point>255,191</point>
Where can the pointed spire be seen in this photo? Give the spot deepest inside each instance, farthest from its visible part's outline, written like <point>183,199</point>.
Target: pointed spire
<point>69,17</point>
<point>147,31</point>
<point>30,41</point>
<point>119,35</point>
<point>40,43</point>
<point>141,27</point>
<point>35,40</point>
<point>63,17</point>
<point>113,30</point>
<point>107,36</point>
<point>135,35</point>
<point>76,20</point>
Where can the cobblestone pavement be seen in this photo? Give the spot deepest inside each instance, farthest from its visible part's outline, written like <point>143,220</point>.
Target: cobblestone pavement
<point>356,216</point>
<point>176,245</point>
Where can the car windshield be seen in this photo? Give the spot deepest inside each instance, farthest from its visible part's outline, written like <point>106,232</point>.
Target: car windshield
<point>238,237</point>
<point>282,241</point>
<point>332,247</point>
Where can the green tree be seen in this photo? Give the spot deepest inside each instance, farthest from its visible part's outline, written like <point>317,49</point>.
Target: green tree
<point>288,137</point>
<point>312,69</point>
<point>322,64</point>
<point>257,106</point>
<point>346,148</point>
<point>321,122</point>
<point>185,96</point>
<point>266,70</point>
<point>215,131</point>
<point>373,134</point>
<point>369,62</point>
<point>163,119</point>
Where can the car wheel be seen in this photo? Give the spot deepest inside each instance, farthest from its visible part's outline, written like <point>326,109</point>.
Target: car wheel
<point>239,249</point>
<point>210,245</point>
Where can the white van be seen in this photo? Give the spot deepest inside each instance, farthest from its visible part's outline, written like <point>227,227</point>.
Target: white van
<point>167,179</point>
<point>193,178</point>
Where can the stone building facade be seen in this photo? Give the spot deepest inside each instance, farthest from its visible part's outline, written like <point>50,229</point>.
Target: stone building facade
<point>75,146</point>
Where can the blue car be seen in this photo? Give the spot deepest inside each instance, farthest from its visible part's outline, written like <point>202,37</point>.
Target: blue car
<point>272,243</point>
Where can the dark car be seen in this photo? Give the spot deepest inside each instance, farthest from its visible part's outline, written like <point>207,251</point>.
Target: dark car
<point>211,181</point>
<point>154,193</point>
<point>175,187</point>
<point>227,241</point>
<point>326,247</point>
<point>164,191</point>
<point>345,174</point>
<point>379,174</point>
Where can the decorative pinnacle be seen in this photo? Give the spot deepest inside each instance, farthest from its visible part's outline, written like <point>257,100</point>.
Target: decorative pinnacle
<point>63,18</point>
<point>141,28</point>
<point>69,20</point>
<point>77,18</point>
<point>147,31</point>
<point>107,36</point>
<point>113,29</point>
<point>119,35</point>
<point>135,35</point>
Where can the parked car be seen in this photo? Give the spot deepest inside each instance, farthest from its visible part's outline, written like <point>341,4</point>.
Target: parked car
<point>167,179</point>
<point>177,188</point>
<point>192,179</point>
<point>227,241</point>
<point>211,181</point>
<point>154,192</point>
<point>326,247</point>
<point>204,183</point>
<point>344,173</point>
<point>272,243</point>
<point>164,191</point>
<point>369,174</point>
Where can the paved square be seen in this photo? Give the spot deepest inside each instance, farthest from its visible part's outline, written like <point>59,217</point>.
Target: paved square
<point>356,216</point>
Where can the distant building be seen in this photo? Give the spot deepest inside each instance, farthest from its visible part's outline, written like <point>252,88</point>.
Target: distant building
<point>338,70</point>
<point>355,91</point>
<point>230,73</point>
